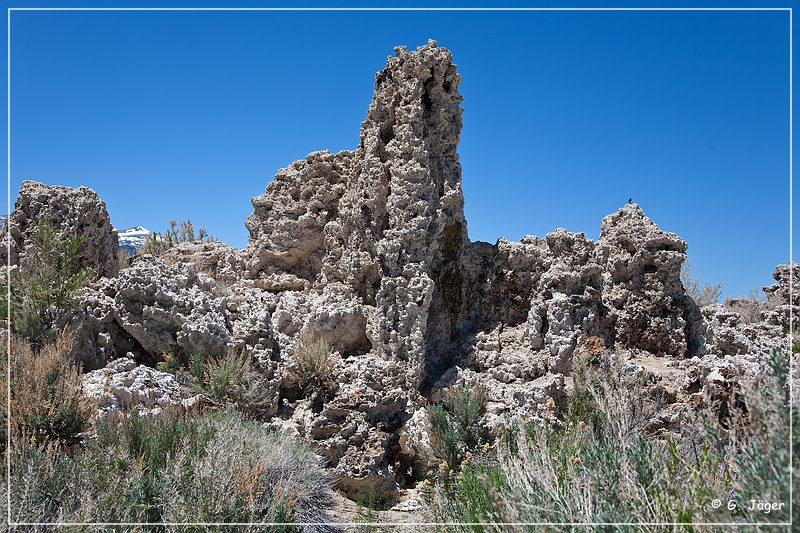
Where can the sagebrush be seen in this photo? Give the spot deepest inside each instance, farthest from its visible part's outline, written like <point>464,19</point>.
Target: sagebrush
<point>214,468</point>
<point>609,461</point>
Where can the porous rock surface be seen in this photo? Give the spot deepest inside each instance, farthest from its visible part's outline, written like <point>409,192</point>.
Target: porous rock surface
<point>72,211</point>
<point>368,249</point>
<point>124,385</point>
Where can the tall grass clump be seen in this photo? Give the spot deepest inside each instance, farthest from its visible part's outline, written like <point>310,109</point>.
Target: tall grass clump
<point>229,379</point>
<point>314,367</point>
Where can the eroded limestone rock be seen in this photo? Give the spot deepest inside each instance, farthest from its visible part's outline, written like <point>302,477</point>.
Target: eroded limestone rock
<point>72,212</point>
<point>642,285</point>
<point>123,385</point>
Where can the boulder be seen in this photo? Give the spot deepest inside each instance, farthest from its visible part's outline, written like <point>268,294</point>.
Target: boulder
<point>72,212</point>
<point>123,385</point>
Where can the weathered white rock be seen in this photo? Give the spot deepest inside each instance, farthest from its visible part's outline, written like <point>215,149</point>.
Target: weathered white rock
<point>72,212</point>
<point>213,259</point>
<point>171,309</point>
<point>642,285</point>
<point>123,385</point>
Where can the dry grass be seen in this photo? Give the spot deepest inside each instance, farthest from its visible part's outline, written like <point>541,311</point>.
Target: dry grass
<point>230,379</point>
<point>314,366</point>
<point>702,294</point>
<point>47,402</point>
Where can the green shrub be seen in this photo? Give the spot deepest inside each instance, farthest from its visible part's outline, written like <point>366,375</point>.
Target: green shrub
<point>606,463</point>
<point>368,513</point>
<point>215,468</point>
<point>50,275</point>
<point>762,456</point>
<point>455,426</point>
<point>230,380</point>
<point>157,243</point>
<point>468,496</point>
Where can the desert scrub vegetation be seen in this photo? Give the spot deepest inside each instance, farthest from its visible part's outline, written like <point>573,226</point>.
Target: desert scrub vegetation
<point>47,403</point>
<point>702,294</point>
<point>231,380</point>
<point>158,243</point>
<point>455,427</point>
<point>314,367</point>
<point>46,284</point>
<point>216,468</point>
<point>460,447</point>
<point>607,461</point>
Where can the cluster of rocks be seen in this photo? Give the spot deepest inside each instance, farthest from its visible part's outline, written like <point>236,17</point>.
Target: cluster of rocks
<point>124,384</point>
<point>368,249</point>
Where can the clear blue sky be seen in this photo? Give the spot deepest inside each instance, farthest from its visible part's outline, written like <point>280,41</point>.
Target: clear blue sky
<point>566,114</point>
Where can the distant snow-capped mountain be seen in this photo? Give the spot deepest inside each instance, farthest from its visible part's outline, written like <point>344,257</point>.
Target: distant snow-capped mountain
<point>132,239</point>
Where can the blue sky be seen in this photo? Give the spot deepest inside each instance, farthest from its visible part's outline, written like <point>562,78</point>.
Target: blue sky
<point>566,114</point>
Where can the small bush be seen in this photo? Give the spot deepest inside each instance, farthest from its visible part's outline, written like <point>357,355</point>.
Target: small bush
<point>229,380</point>
<point>469,496</point>
<point>158,243</point>
<point>455,426</point>
<point>248,475</point>
<point>314,366</point>
<point>170,364</point>
<point>47,402</point>
<point>368,514</point>
<point>49,278</point>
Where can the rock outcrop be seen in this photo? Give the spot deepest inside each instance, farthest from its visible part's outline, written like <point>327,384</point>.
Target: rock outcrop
<point>368,249</point>
<point>152,309</point>
<point>385,220</point>
<point>71,211</point>
<point>642,285</point>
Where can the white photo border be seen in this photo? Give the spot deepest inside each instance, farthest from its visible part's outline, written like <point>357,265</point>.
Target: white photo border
<point>11,524</point>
